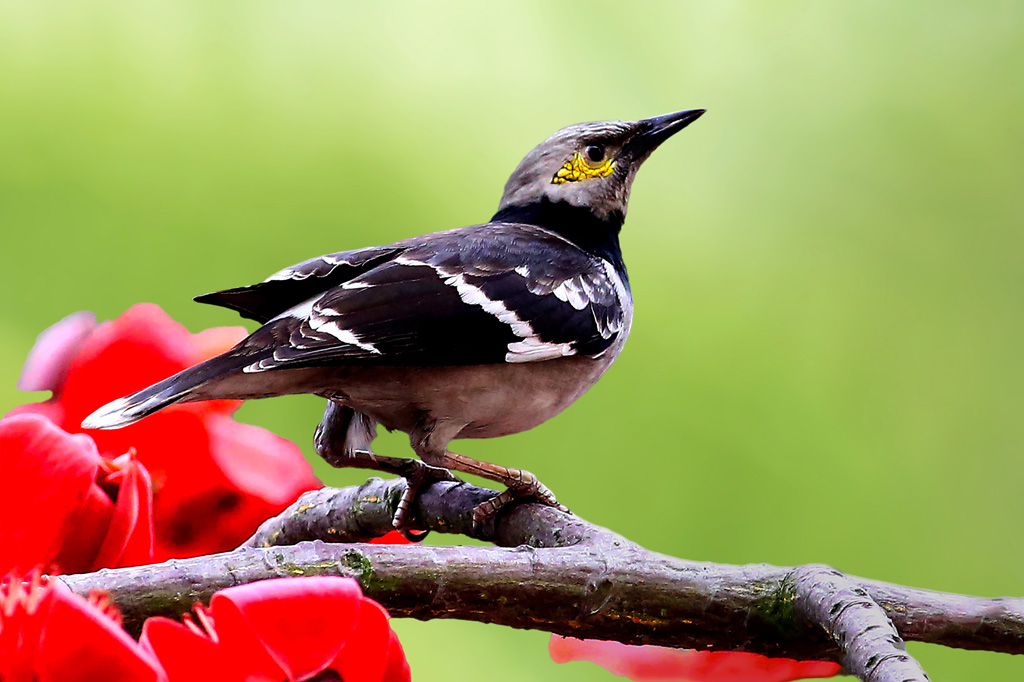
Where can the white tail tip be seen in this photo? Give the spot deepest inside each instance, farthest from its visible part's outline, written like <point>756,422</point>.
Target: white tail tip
<point>111,416</point>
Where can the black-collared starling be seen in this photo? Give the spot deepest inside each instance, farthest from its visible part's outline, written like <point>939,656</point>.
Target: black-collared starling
<point>476,332</point>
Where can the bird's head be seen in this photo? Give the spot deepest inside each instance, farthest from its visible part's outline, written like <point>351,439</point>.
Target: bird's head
<point>590,165</point>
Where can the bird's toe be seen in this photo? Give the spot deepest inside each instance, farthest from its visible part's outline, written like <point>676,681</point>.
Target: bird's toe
<point>417,474</point>
<point>526,486</point>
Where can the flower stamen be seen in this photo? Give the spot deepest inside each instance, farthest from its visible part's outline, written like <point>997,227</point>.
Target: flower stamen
<point>101,600</point>
<point>205,628</point>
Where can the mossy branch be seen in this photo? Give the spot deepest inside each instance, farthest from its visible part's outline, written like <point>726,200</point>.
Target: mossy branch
<point>556,572</point>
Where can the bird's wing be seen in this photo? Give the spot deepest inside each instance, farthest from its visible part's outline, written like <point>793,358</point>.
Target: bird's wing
<point>291,286</point>
<point>480,295</point>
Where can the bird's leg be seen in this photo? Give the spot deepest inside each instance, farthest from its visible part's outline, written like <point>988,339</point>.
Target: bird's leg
<point>343,439</point>
<point>430,441</point>
<point>521,483</point>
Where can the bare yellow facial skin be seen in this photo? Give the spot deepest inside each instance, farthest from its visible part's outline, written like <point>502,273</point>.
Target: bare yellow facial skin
<point>577,168</point>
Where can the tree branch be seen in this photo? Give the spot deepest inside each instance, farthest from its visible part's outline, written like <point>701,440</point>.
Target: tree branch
<point>554,571</point>
<point>870,645</point>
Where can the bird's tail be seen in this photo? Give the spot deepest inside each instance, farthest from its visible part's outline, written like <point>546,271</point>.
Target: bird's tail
<point>181,386</point>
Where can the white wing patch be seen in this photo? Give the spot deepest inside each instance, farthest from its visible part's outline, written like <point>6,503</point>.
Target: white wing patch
<point>475,296</point>
<point>621,325</point>
<point>573,291</point>
<point>580,292</point>
<point>531,348</point>
<point>321,323</point>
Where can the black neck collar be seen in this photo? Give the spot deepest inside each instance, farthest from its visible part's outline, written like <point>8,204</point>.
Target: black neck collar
<point>577,224</point>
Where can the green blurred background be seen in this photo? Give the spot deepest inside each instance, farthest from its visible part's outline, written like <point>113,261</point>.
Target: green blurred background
<point>826,359</point>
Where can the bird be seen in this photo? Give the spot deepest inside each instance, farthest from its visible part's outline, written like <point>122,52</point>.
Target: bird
<point>476,332</point>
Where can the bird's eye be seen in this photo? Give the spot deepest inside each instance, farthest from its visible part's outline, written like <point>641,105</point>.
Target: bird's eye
<point>595,153</point>
<point>586,164</point>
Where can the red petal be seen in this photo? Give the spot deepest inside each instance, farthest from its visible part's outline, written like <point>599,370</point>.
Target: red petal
<point>192,499</point>
<point>199,508</point>
<point>82,544</point>
<point>20,629</point>
<point>51,409</point>
<point>365,655</point>
<point>214,480</point>
<point>141,347</point>
<point>48,361</point>
<point>80,643</point>
<point>303,622</point>
<point>662,664</point>
<point>45,477</point>
<point>391,538</point>
<point>187,656</point>
<point>398,668</point>
<point>215,341</point>
<point>129,539</point>
<point>259,462</point>
<point>237,477</point>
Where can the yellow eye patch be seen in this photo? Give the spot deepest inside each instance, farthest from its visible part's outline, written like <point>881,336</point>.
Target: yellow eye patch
<point>577,168</point>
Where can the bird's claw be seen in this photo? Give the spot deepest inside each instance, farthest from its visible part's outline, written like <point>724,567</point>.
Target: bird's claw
<point>527,486</point>
<point>413,535</point>
<point>417,474</point>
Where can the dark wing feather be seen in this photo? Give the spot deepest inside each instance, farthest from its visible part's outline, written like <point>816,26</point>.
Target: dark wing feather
<point>291,286</point>
<point>480,295</point>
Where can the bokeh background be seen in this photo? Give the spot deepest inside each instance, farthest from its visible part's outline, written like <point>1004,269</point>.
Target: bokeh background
<point>826,362</point>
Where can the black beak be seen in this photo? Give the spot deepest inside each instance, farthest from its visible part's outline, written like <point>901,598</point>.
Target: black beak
<point>651,132</point>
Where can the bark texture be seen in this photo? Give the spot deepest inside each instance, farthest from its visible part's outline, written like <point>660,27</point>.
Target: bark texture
<point>556,572</point>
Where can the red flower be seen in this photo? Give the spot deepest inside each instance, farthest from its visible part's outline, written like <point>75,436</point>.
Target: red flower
<point>49,634</point>
<point>662,664</point>
<point>392,537</point>
<point>62,505</point>
<point>215,479</point>
<point>282,629</point>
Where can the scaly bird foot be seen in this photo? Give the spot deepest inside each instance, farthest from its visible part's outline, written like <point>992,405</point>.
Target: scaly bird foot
<point>525,485</point>
<point>417,474</point>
